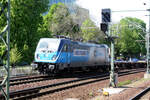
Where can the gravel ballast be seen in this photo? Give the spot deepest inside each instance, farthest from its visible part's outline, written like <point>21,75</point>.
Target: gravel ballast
<point>91,91</point>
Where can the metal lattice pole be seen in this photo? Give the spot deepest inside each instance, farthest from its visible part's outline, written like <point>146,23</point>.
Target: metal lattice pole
<point>112,72</point>
<point>5,10</point>
<point>112,77</point>
<point>147,46</point>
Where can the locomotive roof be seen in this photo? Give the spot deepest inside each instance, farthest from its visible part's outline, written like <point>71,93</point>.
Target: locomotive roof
<point>90,44</point>
<point>77,42</point>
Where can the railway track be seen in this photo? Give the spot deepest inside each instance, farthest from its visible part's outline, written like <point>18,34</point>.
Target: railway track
<point>27,79</point>
<point>29,93</point>
<point>141,94</point>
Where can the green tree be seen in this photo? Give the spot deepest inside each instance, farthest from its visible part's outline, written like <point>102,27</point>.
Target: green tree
<point>127,43</point>
<point>25,20</point>
<point>90,32</point>
<point>59,21</point>
<point>26,25</point>
<point>3,16</point>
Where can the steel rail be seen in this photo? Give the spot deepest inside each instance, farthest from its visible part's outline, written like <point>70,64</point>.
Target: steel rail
<point>30,81</point>
<point>25,78</point>
<point>138,96</point>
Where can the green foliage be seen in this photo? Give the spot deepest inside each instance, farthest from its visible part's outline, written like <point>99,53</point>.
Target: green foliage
<point>90,32</point>
<point>127,43</point>
<point>15,56</point>
<point>26,25</point>
<point>124,83</point>
<point>2,17</point>
<point>25,20</point>
<point>2,49</point>
<point>59,21</point>
<point>91,94</point>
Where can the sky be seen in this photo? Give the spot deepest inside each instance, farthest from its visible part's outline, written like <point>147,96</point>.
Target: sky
<point>95,6</point>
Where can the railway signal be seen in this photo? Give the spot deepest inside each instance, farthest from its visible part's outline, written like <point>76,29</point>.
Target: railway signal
<point>106,19</point>
<point>104,27</point>
<point>106,15</point>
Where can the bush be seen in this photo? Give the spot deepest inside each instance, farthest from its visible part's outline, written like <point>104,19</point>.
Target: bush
<point>15,56</point>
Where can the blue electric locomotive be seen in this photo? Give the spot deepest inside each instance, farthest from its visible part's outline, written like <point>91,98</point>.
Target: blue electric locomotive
<point>55,54</point>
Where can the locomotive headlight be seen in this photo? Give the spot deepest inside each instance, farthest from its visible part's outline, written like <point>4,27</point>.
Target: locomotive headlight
<point>54,57</point>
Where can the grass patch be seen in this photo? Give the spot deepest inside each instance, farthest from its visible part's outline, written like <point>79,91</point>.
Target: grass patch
<point>124,83</point>
<point>91,94</point>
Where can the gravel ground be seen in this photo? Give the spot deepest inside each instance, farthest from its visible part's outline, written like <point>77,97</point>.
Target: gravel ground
<point>91,91</point>
<point>131,90</point>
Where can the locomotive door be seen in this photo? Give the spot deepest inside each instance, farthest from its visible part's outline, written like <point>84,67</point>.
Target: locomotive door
<point>95,56</point>
<point>92,56</point>
<point>66,55</point>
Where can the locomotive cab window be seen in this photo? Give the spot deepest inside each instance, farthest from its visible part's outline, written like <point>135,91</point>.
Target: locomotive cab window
<point>43,45</point>
<point>65,48</point>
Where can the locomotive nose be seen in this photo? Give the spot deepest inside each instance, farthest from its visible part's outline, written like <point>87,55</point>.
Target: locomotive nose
<point>46,56</point>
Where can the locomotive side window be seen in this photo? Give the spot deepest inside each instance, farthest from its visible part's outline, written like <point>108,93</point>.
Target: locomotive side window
<point>80,52</point>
